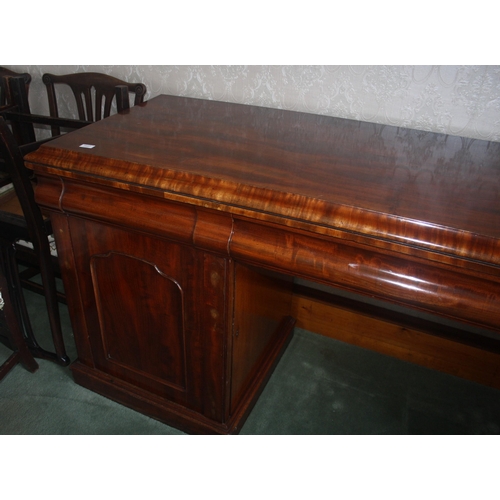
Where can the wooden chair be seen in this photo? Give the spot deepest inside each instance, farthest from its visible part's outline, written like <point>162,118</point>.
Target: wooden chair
<point>8,101</point>
<point>21,219</point>
<point>22,121</point>
<point>5,97</point>
<point>84,86</point>
<point>15,340</point>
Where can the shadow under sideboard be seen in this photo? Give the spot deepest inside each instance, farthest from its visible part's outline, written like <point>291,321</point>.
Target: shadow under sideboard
<point>398,333</point>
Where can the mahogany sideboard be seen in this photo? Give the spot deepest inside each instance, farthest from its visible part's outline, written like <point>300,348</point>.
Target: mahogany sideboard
<point>182,223</point>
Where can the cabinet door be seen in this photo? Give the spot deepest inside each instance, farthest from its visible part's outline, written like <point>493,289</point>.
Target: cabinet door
<point>155,313</point>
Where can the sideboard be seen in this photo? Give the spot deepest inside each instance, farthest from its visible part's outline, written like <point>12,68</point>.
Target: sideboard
<point>182,223</point>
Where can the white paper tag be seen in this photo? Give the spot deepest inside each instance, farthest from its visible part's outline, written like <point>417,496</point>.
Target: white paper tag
<point>88,146</point>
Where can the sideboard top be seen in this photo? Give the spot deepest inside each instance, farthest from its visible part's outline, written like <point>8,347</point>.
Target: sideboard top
<point>386,182</point>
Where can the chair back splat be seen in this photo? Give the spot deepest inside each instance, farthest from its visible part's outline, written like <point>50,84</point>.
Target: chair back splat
<point>93,93</point>
<point>14,88</point>
<point>22,121</point>
<point>5,97</point>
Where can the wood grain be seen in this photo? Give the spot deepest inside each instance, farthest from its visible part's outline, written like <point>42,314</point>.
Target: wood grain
<point>230,202</point>
<point>397,339</point>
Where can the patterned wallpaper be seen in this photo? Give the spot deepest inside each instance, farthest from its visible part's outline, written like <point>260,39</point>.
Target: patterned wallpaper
<point>459,100</point>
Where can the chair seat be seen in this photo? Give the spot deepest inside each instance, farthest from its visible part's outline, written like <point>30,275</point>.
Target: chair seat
<point>52,244</point>
<point>11,212</point>
<point>10,207</point>
<point>13,225</point>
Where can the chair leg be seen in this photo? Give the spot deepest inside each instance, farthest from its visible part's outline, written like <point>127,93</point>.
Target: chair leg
<point>51,299</point>
<point>21,352</point>
<point>7,366</point>
<point>17,298</point>
<point>60,356</point>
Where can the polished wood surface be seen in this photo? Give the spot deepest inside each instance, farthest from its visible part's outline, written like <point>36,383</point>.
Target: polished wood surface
<point>402,210</point>
<point>407,217</point>
<point>400,184</point>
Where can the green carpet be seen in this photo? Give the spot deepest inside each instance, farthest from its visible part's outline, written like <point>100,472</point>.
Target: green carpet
<point>321,386</point>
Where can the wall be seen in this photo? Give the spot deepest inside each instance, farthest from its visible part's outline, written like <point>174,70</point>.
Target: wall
<point>459,100</point>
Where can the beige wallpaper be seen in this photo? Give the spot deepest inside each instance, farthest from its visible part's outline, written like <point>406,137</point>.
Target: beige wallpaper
<point>459,100</point>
